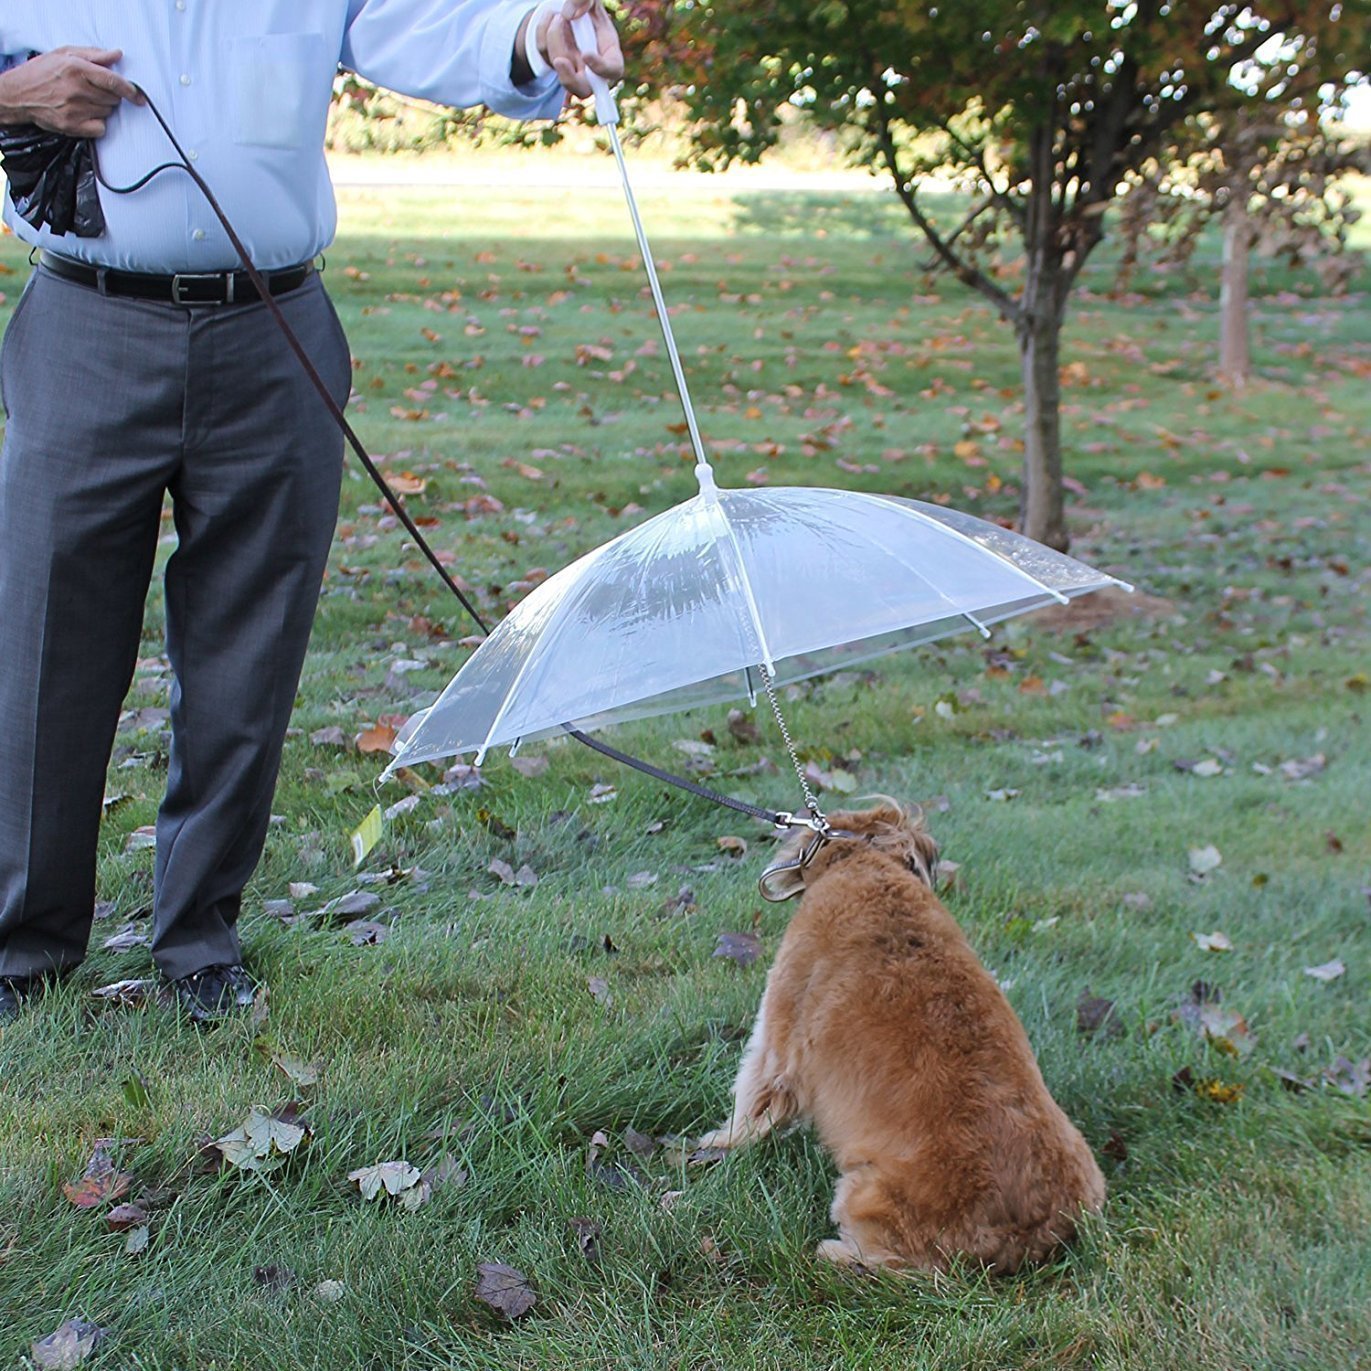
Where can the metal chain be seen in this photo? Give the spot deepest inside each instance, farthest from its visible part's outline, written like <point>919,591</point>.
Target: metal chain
<point>811,803</point>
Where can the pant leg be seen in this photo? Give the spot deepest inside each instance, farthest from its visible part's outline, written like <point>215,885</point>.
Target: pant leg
<point>255,504</point>
<point>92,389</point>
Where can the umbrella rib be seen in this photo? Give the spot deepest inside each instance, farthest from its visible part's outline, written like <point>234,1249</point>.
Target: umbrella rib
<point>762,644</point>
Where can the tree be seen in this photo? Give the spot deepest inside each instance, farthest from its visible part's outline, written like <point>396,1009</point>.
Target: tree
<point>1039,110</point>
<point>1275,185</point>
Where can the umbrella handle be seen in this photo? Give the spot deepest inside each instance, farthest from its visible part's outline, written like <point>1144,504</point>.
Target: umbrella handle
<point>606,109</point>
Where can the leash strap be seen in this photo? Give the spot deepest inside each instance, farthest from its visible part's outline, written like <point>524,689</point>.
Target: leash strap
<point>778,819</point>
<point>771,816</point>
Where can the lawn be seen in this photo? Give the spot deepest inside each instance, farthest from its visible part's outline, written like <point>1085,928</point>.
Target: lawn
<point>1078,771</point>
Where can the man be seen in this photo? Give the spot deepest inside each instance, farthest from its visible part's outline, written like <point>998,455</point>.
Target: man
<point>142,361</point>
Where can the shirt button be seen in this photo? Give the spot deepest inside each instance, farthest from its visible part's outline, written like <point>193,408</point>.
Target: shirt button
<point>185,79</point>
<point>198,235</point>
<point>193,155</point>
<point>180,4</point>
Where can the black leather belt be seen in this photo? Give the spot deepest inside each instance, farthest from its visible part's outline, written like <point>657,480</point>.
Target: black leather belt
<point>185,288</point>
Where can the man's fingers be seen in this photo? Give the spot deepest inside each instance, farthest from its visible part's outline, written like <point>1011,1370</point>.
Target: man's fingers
<point>102,57</point>
<point>85,127</point>
<point>610,68</point>
<point>104,80</point>
<point>570,63</point>
<point>570,77</point>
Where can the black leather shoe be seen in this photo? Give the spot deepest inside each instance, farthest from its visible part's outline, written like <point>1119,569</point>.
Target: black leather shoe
<point>214,993</point>
<point>14,990</point>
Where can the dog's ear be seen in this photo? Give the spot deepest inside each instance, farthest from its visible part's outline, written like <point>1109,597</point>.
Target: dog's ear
<point>921,856</point>
<point>902,833</point>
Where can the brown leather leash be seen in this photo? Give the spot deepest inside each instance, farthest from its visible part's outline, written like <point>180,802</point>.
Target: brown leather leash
<point>777,818</point>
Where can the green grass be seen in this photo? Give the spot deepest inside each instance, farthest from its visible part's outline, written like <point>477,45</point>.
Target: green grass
<point>1236,1235</point>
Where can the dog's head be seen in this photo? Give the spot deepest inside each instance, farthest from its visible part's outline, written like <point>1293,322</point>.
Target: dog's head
<point>887,827</point>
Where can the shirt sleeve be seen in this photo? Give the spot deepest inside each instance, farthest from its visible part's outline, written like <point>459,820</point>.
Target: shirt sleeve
<point>453,52</point>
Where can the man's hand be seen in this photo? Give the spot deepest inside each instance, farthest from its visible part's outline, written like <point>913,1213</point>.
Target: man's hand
<point>558,47</point>
<point>67,90</point>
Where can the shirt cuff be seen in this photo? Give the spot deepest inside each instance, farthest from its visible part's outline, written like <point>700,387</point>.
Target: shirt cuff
<point>537,64</point>
<point>541,98</point>
<point>10,60</point>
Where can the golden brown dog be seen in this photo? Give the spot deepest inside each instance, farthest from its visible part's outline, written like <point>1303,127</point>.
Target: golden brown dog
<point>880,1025</point>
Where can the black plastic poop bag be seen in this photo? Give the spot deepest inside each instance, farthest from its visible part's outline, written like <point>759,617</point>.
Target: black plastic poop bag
<point>52,180</point>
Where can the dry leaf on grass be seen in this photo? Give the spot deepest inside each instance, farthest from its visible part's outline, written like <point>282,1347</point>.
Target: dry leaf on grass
<point>377,739</point>
<point>587,1237</point>
<point>262,1142</point>
<point>742,728</point>
<point>67,1347</point>
<point>1094,1014</point>
<point>1223,1028</point>
<point>275,1278</point>
<point>101,1181</point>
<point>743,948</point>
<point>392,1177</point>
<point>1205,859</point>
<point>1329,971</point>
<point>1213,942</point>
<point>524,879</point>
<point>356,904</point>
<point>1349,1077</point>
<point>505,1289</point>
<point>130,936</point>
<point>127,994</point>
<point>124,1216</point>
<point>302,1073</point>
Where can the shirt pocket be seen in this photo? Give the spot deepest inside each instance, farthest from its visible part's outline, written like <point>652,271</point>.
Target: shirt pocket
<point>280,90</point>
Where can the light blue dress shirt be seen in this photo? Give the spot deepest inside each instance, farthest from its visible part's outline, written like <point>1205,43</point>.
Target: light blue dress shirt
<point>245,85</point>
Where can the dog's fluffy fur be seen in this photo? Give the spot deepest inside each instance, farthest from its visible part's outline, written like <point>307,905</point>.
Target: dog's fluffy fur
<point>880,1025</point>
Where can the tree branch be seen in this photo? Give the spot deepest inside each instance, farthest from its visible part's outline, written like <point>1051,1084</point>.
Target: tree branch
<point>977,155</point>
<point>963,270</point>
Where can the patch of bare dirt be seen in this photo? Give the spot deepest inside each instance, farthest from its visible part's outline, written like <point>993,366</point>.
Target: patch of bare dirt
<point>1100,609</point>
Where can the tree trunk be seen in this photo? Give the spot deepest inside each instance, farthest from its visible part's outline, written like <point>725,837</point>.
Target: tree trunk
<point>1237,233</point>
<point>1041,513</point>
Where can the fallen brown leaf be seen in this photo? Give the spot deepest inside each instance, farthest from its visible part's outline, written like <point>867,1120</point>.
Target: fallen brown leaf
<point>67,1347</point>
<point>1095,1014</point>
<point>101,1181</point>
<point>742,948</point>
<point>505,1289</point>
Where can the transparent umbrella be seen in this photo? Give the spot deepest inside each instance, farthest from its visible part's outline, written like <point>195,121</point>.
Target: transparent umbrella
<point>730,591</point>
<point>692,606</point>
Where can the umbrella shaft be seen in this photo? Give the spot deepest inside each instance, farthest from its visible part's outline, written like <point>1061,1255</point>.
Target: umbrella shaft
<point>657,298</point>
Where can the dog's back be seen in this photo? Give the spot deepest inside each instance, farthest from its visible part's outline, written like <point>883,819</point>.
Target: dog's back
<point>882,1026</point>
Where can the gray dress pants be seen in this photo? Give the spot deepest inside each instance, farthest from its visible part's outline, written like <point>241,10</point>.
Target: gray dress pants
<point>111,402</point>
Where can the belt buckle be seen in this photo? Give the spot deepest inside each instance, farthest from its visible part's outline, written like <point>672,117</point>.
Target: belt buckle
<point>181,280</point>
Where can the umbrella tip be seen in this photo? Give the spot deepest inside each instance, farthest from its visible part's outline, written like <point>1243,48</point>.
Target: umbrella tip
<point>704,474</point>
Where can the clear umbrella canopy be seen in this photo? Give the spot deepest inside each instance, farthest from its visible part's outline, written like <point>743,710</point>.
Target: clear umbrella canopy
<point>684,610</point>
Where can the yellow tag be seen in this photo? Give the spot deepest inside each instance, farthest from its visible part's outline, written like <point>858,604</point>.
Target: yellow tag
<point>366,835</point>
